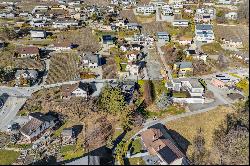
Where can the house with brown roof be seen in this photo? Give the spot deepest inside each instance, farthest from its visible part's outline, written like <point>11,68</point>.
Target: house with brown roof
<point>79,89</point>
<point>27,52</point>
<point>164,148</point>
<point>37,125</point>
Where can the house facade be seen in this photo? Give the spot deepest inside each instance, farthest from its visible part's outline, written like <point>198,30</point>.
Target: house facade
<point>204,33</point>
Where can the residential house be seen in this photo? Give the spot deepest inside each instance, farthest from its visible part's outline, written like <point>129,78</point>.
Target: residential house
<point>241,56</point>
<point>163,37</point>
<point>176,1</point>
<point>27,52</point>
<point>132,56</point>
<point>62,46</point>
<point>26,77</point>
<point>231,16</point>
<point>90,60</point>
<point>133,69</point>
<point>146,9</point>
<point>205,15</point>
<point>185,40</point>
<point>196,55</point>
<point>183,68</point>
<point>190,85</point>
<point>63,23</point>
<point>228,79</point>
<point>107,40</point>
<point>217,83</point>
<point>38,34</point>
<point>180,23</point>
<point>163,147</point>
<point>68,136</point>
<point>133,26</point>
<point>157,3</point>
<point>37,125</point>
<point>204,33</point>
<point>224,2</point>
<point>167,10</point>
<point>79,89</point>
<point>232,42</point>
<point>38,22</point>
<point>235,96</point>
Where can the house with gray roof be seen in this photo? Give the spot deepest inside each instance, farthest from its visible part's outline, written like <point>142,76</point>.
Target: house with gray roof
<point>38,123</point>
<point>204,33</point>
<point>90,60</point>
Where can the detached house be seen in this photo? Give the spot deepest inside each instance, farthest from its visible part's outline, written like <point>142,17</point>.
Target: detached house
<point>38,34</point>
<point>232,42</point>
<point>146,9</point>
<point>180,23</point>
<point>185,40</point>
<point>231,16</point>
<point>26,77</point>
<point>37,125</point>
<point>76,90</point>
<point>90,60</point>
<point>163,37</point>
<point>27,52</point>
<point>183,67</point>
<point>62,46</point>
<point>204,33</point>
<point>163,147</point>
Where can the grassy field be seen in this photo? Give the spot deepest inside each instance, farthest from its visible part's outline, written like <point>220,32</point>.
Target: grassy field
<point>212,48</point>
<point>136,146</point>
<point>63,67</point>
<point>7,157</point>
<point>209,121</point>
<point>136,161</point>
<point>239,31</point>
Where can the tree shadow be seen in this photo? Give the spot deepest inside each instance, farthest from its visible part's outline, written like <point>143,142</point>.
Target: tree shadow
<point>118,140</point>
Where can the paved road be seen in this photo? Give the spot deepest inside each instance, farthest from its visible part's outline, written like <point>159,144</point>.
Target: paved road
<point>9,111</point>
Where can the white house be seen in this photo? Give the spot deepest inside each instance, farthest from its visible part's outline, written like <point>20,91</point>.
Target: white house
<point>231,16</point>
<point>37,125</point>
<point>133,56</point>
<point>224,2</point>
<point>180,23</point>
<point>204,33</point>
<point>146,9</point>
<point>62,46</point>
<point>205,15</point>
<point>176,1</point>
<point>133,69</point>
<point>90,60</point>
<point>79,89</point>
<point>167,10</point>
<point>38,34</point>
<point>61,24</point>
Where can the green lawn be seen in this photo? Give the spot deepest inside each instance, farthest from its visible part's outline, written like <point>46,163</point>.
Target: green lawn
<point>244,86</point>
<point>22,146</point>
<point>136,161</point>
<point>7,157</point>
<point>175,110</point>
<point>212,48</point>
<point>180,95</point>
<point>136,146</point>
<point>71,152</point>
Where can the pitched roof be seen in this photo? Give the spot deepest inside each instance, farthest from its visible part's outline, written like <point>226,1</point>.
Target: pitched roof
<point>184,64</point>
<point>31,126</point>
<point>28,50</point>
<point>68,89</point>
<point>154,140</point>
